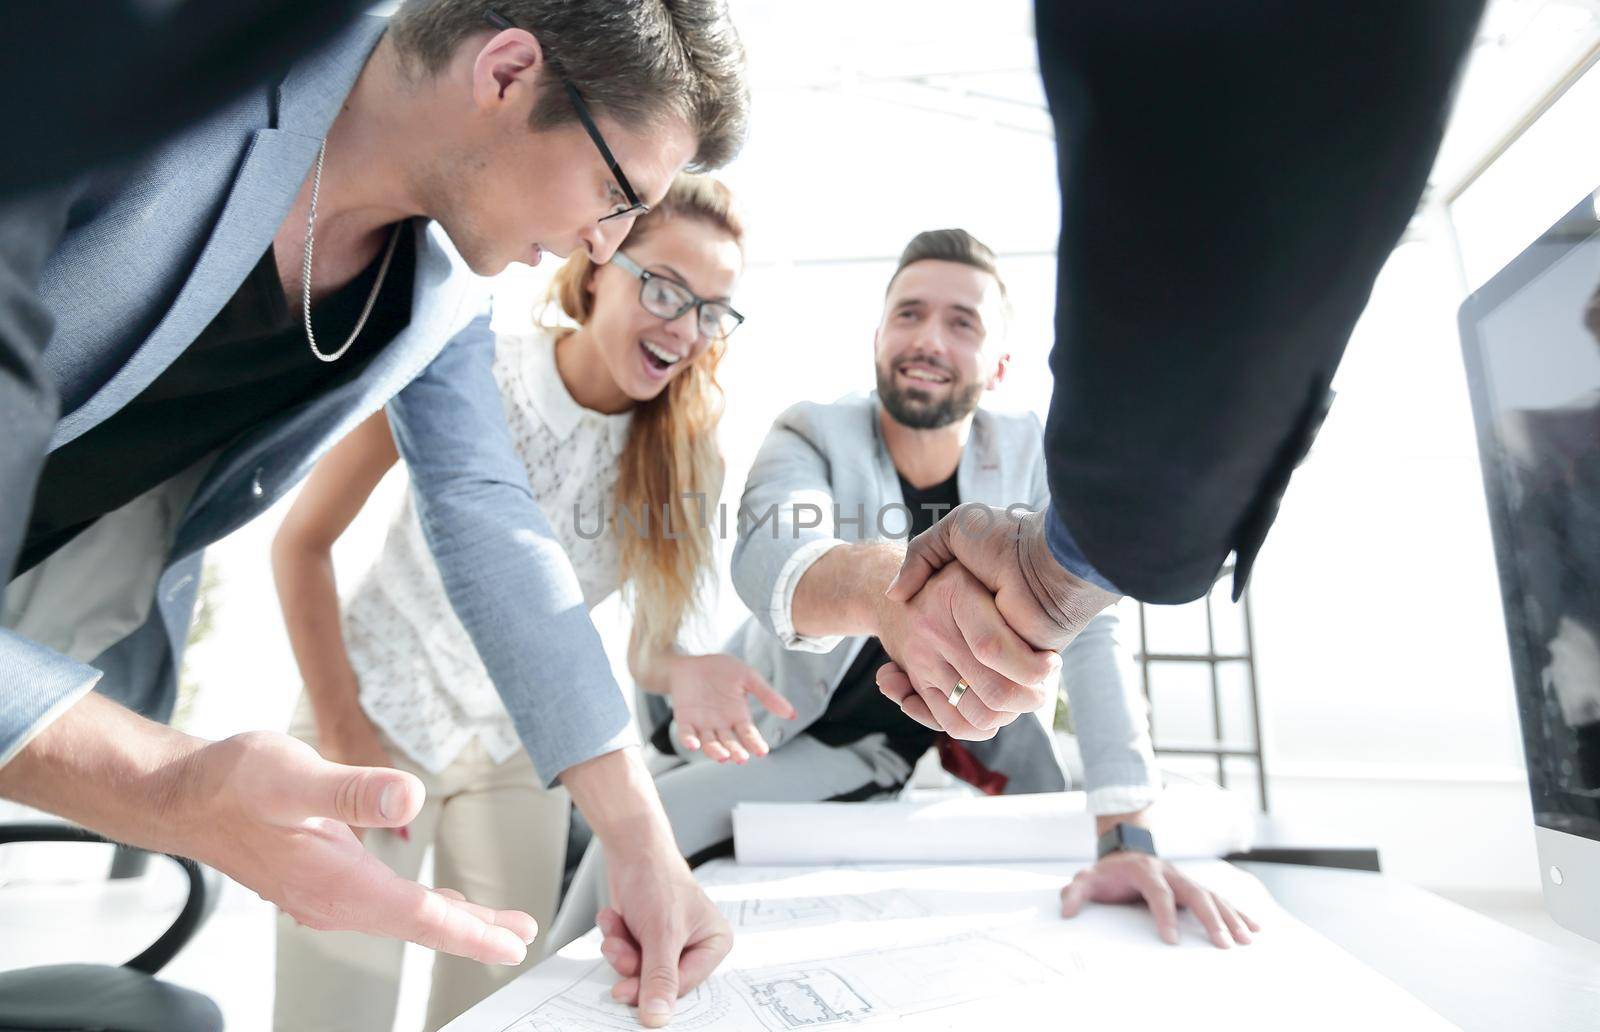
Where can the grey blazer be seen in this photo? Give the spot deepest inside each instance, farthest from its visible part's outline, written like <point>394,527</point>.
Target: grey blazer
<point>824,474</point>
<point>147,259</point>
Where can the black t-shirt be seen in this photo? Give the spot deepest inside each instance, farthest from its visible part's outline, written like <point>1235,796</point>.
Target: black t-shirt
<point>857,708</point>
<point>250,364</point>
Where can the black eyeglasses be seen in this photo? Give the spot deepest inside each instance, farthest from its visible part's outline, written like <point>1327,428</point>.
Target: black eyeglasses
<point>668,299</point>
<point>635,206</point>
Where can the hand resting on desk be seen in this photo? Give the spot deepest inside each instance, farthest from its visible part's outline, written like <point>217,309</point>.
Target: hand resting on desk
<point>1130,877</point>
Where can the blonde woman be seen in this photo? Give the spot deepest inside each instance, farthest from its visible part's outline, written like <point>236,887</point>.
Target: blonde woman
<point>616,413</point>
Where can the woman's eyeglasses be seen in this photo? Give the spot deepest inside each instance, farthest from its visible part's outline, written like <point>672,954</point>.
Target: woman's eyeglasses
<point>668,299</point>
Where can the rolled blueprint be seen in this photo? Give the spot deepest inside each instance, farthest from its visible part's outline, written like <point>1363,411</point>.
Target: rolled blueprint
<point>1190,821</point>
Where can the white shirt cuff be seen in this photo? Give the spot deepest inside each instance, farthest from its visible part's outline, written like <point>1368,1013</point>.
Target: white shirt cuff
<point>1121,798</point>
<point>782,604</point>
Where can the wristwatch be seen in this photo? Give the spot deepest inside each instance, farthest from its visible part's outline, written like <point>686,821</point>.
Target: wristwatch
<point>1126,838</point>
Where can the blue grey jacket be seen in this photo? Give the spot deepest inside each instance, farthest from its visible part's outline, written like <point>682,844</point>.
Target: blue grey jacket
<point>145,262</point>
<point>824,477</point>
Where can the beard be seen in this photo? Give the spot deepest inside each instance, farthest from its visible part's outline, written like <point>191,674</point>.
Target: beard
<point>917,409</point>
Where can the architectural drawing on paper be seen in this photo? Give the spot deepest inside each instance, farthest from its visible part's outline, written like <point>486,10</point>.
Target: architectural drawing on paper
<point>586,1006</point>
<point>830,992</point>
<point>974,956</point>
<point>794,911</point>
<point>808,998</point>
<point>890,983</point>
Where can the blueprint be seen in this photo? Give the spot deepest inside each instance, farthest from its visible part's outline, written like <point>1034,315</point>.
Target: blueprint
<point>852,989</point>
<point>802,911</point>
<point>967,946</point>
<point>891,983</point>
<point>586,1003</point>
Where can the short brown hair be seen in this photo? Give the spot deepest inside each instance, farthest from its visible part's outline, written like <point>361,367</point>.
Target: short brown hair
<point>950,245</point>
<point>642,62</point>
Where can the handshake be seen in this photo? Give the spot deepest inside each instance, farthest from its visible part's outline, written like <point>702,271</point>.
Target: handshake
<point>986,609</point>
<point>972,615</point>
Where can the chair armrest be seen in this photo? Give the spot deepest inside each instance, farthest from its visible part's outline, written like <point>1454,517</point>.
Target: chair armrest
<point>201,900</point>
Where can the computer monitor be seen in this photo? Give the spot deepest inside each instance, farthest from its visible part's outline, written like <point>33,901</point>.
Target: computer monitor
<point>1531,338</point>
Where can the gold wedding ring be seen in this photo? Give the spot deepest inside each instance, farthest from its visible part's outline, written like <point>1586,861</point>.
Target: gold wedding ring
<point>958,691</point>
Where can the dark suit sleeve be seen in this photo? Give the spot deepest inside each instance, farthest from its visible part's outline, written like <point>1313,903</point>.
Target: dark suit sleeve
<point>155,67</point>
<point>1233,177</point>
<point>29,231</point>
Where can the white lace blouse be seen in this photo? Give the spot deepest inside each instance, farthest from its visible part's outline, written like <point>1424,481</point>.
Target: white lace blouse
<point>421,679</point>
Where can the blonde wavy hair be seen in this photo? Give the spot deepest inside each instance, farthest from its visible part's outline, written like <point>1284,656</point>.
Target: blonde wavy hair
<point>671,467</point>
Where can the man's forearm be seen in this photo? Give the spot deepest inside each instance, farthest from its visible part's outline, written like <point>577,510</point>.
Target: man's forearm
<point>618,797</point>
<point>842,592</point>
<point>104,767</point>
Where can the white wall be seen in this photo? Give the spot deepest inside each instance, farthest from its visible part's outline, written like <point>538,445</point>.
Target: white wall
<point>1381,645</point>
<point>1383,653</point>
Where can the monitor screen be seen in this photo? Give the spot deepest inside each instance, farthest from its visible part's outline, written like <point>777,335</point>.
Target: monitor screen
<point>1531,338</point>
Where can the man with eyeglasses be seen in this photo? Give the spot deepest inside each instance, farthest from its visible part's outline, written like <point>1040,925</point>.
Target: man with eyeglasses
<point>231,307</point>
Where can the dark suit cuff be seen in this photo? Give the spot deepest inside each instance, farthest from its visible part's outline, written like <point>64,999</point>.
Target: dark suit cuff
<point>1065,550</point>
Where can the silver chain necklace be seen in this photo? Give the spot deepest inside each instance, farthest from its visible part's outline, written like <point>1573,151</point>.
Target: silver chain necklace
<point>305,272</point>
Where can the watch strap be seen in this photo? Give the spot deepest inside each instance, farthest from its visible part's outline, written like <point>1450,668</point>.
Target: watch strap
<point>1126,838</point>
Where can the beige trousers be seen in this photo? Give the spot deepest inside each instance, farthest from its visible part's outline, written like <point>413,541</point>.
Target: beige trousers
<point>498,836</point>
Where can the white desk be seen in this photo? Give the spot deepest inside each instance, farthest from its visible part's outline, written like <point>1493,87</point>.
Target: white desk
<point>978,946</point>
<point>1475,972</point>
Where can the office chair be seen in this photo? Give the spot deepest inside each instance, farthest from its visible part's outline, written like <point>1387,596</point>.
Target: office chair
<point>100,997</point>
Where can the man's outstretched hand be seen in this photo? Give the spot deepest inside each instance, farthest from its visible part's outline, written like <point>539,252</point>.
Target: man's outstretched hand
<point>262,808</point>
<point>270,813</point>
<point>1006,554</point>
